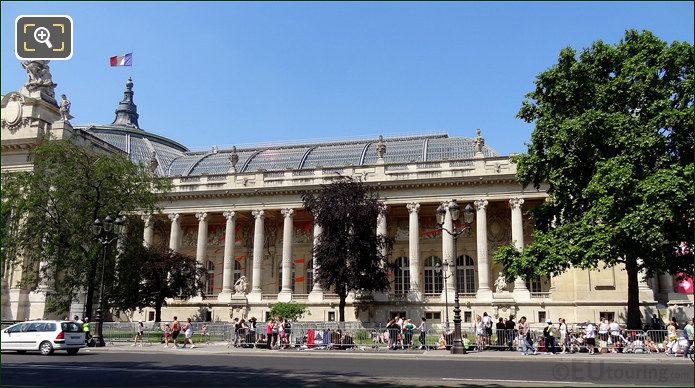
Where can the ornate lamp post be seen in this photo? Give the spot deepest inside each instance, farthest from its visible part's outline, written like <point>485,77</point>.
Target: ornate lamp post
<point>106,233</point>
<point>446,270</point>
<point>468,217</point>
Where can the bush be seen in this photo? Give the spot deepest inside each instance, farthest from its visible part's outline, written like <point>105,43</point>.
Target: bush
<point>290,311</point>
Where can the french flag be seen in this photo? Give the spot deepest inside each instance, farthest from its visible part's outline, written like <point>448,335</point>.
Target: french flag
<point>121,60</point>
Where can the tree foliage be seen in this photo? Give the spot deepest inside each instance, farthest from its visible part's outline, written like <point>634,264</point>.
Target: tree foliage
<point>146,276</point>
<point>613,141</point>
<point>47,213</point>
<point>349,255</point>
<point>290,311</point>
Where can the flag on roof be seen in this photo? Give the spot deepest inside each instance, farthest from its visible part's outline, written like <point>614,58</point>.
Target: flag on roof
<point>122,60</point>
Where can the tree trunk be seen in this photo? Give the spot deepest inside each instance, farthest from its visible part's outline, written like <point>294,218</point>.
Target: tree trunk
<point>634,316</point>
<point>90,290</point>
<point>158,312</point>
<point>341,306</point>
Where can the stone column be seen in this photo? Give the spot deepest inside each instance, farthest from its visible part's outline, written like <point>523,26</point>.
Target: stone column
<point>484,291</point>
<point>415,292</point>
<point>316,294</point>
<point>285,294</point>
<point>148,232</point>
<point>258,244</point>
<point>665,283</point>
<point>382,230</point>
<point>228,270</point>
<point>645,292</point>
<point>202,243</point>
<point>448,255</point>
<point>520,290</point>
<point>175,235</point>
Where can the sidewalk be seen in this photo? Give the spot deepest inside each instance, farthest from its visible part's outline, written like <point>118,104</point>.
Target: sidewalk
<point>217,348</point>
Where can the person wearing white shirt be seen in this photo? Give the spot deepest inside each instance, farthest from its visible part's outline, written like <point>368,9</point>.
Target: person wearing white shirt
<point>423,332</point>
<point>590,335</point>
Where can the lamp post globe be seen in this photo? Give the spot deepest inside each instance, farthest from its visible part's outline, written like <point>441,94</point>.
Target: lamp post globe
<point>106,232</point>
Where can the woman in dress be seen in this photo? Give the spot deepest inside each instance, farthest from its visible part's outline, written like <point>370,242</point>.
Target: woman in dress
<point>188,333</point>
<point>479,332</point>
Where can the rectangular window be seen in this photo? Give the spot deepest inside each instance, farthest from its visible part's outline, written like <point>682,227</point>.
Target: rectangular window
<point>467,316</point>
<point>609,315</point>
<point>534,285</point>
<point>541,316</point>
<point>433,282</point>
<point>331,316</point>
<point>150,316</point>
<point>433,316</point>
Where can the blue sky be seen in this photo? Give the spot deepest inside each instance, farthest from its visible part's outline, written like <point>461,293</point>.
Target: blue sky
<point>238,73</point>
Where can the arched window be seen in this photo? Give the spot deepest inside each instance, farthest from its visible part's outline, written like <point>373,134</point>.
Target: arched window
<point>401,276</point>
<point>237,272</point>
<point>280,278</point>
<point>210,278</point>
<point>309,281</point>
<point>433,280</point>
<point>465,276</point>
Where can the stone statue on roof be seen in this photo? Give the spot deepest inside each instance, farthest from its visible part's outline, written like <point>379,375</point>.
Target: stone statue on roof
<point>152,166</point>
<point>381,148</point>
<point>233,160</point>
<point>479,141</point>
<point>64,108</point>
<point>40,83</point>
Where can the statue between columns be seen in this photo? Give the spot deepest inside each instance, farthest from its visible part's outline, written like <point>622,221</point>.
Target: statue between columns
<point>241,285</point>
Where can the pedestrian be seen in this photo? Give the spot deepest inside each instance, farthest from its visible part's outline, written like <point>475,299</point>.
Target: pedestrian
<point>237,332</point>
<point>511,332</point>
<point>479,333</point>
<point>590,336</point>
<point>175,330</point>
<point>252,331</point>
<point>408,329</point>
<point>86,328</point>
<point>562,327</point>
<point>549,334</point>
<point>188,333</point>
<point>423,333</point>
<point>527,341</point>
<point>167,334</point>
<point>268,333</point>
<point>275,332</point>
<point>288,333</point>
<point>603,330</point>
<point>139,334</point>
<point>400,323</point>
<point>500,327</point>
<point>393,330</point>
<point>688,334</point>
<point>281,332</point>
<point>487,324</point>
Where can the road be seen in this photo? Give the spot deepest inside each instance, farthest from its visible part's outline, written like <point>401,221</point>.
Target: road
<point>187,368</point>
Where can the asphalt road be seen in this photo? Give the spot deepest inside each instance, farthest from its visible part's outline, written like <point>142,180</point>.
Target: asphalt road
<point>327,369</point>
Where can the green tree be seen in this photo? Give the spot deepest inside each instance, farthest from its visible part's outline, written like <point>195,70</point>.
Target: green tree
<point>290,311</point>
<point>348,254</point>
<point>613,141</point>
<point>47,213</point>
<point>146,276</point>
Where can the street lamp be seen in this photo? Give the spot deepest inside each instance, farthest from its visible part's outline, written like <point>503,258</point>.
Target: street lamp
<point>446,269</point>
<point>106,233</point>
<point>468,217</point>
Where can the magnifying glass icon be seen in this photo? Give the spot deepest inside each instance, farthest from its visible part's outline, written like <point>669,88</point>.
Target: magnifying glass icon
<point>42,35</point>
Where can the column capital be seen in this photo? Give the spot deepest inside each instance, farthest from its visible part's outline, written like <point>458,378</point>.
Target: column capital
<point>229,214</point>
<point>413,207</point>
<point>515,203</point>
<point>383,209</point>
<point>174,216</point>
<point>147,218</point>
<point>287,212</point>
<point>258,213</point>
<point>201,216</point>
<point>480,204</point>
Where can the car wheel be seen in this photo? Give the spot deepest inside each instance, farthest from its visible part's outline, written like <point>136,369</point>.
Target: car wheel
<point>46,348</point>
<point>72,352</point>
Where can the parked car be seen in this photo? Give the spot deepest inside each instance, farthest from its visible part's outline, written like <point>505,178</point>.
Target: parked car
<point>44,336</point>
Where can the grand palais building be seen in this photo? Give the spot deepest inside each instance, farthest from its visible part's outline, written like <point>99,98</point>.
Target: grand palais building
<point>239,212</point>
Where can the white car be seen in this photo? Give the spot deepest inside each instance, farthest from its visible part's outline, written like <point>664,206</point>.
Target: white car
<point>44,336</point>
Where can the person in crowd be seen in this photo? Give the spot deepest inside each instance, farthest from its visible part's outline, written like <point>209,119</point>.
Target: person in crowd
<point>487,325</point>
<point>237,333</point>
<point>288,332</point>
<point>77,319</point>
<point>590,336</point>
<point>253,336</point>
<point>688,335</point>
<point>175,330</point>
<point>204,333</point>
<point>564,338</point>
<point>614,329</point>
<point>603,330</point>
<point>527,341</point>
<point>500,328</point>
<point>243,330</point>
<point>441,343</point>
<point>400,322</point>
<point>479,333</point>
<point>672,337</point>
<point>269,333</point>
<point>86,328</point>
<point>188,333</point>
<point>167,334</point>
<point>139,334</point>
<point>549,334</point>
<point>393,330</point>
<point>423,333</point>
<point>511,332</point>
<point>408,329</point>
<point>650,345</point>
<point>656,323</point>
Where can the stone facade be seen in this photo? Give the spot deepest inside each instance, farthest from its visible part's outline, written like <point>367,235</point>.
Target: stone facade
<point>243,221</point>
